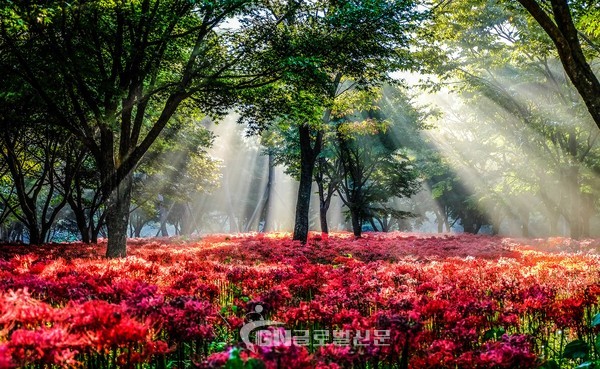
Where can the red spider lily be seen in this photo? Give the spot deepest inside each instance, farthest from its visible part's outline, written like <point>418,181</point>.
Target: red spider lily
<point>446,301</point>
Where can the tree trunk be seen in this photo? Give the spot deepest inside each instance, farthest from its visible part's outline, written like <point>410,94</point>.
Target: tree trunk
<point>374,226</point>
<point>308,158</point>
<point>267,202</point>
<point>137,230</point>
<point>356,223</point>
<point>162,210</point>
<point>188,223</point>
<point>35,238</point>
<point>303,204</point>
<point>117,217</point>
<point>324,202</point>
<point>323,208</point>
<point>94,236</point>
<point>468,224</point>
<point>439,219</point>
<point>80,220</point>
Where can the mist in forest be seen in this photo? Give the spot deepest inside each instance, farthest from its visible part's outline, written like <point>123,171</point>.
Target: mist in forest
<point>524,152</point>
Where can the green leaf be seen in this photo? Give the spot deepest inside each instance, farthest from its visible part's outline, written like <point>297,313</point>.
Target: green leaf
<point>596,320</point>
<point>253,363</point>
<point>493,334</point>
<point>550,365</point>
<point>235,361</point>
<point>577,349</point>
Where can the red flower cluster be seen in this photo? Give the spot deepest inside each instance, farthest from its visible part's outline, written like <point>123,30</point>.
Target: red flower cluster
<point>444,302</point>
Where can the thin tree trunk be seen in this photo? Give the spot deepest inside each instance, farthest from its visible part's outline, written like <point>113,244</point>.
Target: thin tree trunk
<point>270,184</point>
<point>439,219</point>
<point>374,226</point>
<point>163,220</point>
<point>356,223</point>
<point>323,208</point>
<point>81,222</point>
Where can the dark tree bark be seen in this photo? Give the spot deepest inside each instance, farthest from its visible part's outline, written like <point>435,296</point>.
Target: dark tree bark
<point>355,177</point>
<point>561,29</point>
<point>117,217</point>
<point>265,215</point>
<point>374,226</point>
<point>84,209</point>
<point>356,222</point>
<point>82,226</point>
<point>97,227</point>
<point>326,190</point>
<point>468,225</point>
<point>308,158</point>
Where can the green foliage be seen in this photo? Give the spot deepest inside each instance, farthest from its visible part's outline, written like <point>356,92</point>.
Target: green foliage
<point>235,361</point>
<point>590,22</point>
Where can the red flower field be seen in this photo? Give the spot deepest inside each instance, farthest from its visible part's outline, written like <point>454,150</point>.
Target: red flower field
<point>383,301</point>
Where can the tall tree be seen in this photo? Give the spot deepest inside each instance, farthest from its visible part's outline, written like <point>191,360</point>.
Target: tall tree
<point>114,73</point>
<point>337,46</point>
<point>373,169</point>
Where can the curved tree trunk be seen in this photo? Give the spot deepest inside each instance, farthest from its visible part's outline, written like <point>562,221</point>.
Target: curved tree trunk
<point>558,24</point>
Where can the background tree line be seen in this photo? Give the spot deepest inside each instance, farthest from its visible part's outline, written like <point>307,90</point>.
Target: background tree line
<point>104,108</point>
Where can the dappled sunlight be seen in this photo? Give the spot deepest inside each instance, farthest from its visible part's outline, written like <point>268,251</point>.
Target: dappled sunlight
<point>244,200</point>
<point>513,168</point>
